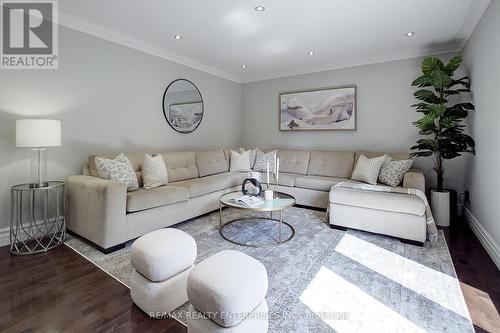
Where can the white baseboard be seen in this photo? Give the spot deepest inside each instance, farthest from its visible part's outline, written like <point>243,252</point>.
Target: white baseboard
<point>4,236</point>
<point>484,237</point>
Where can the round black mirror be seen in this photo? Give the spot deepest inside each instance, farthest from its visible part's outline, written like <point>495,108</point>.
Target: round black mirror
<point>183,106</point>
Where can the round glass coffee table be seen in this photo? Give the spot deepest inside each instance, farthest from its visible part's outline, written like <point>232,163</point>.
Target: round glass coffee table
<point>279,203</point>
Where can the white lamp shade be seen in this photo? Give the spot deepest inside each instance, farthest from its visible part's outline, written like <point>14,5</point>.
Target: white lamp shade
<point>38,133</point>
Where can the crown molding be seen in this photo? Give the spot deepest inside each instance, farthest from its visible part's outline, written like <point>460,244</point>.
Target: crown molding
<point>368,61</point>
<point>96,30</point>
<point>472,17</point>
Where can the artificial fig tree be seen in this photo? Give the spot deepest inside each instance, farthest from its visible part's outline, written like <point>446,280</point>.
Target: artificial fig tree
<point>441,121</point>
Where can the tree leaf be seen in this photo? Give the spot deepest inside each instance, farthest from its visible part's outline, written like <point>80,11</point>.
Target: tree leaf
<point>463,81</point>
<point>421,153</point>
<point>431,64</point>
<point>453,65</point>
<point>437,110</point>
<point>427,96</point>
<point>422,81</point>
<point>439,79</point>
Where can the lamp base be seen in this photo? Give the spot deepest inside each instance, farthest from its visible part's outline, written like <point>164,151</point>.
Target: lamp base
<point>39,185</point>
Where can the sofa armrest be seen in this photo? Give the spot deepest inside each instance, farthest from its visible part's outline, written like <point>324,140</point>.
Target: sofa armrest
<point>414,178</point>
<point>96,209</point>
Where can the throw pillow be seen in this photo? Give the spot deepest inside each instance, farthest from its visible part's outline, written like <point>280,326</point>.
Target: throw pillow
<point>392,172</point>
<point>240,161</point>
<point>367,169</point>
<point>261,160</point>
<point>120,169</point>
<point>253,154</point>
<point>154,171</point>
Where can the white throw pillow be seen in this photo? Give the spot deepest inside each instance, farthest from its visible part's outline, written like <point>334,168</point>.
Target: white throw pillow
<point>261,160</point>
<point>240,161</point>
<point>120,169</point>
<point>154,171</point>
<point>253,155</point>
<point>367,169</point>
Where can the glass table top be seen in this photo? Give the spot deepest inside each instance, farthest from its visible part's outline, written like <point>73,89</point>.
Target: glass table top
<point>280,201</point>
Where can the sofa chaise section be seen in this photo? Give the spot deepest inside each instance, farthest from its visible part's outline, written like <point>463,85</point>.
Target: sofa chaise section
<point>393,214</point>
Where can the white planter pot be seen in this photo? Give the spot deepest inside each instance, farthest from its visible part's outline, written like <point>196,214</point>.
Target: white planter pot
<point>440,206</point>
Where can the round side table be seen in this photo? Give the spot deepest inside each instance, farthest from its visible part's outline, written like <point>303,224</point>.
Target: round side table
<point>37,218</point>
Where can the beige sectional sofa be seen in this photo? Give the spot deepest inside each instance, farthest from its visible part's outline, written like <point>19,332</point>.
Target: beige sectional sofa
<point>103,212</point>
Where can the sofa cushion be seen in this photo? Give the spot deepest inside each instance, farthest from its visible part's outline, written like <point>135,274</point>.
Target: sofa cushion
<point>213,183</point>
<point>160,196</point>
<point>392,202</point>
<point>211,162</point>
<point>331,164</point>
<point>180,165</point>
<point>318,183</point>
<point>285,179</point>
<point>294,161</point>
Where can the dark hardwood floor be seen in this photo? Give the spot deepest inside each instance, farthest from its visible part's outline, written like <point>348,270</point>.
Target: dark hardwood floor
<point>479,277</point>
<point>62,291</point>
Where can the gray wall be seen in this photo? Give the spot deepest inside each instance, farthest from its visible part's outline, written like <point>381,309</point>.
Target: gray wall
<point>384,116</point>
<point>481,176</point>
<point>109,98</point>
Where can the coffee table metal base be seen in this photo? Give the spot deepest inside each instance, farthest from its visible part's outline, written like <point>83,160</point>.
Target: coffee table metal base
<point>279,242</point>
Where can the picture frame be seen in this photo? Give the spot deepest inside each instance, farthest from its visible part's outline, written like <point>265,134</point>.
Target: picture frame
<point>319,109</point>
<point>180,116</point>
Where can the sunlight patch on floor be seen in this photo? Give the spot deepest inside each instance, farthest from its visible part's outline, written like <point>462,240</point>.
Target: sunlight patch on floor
<point>434,285</point>
<point>330,294</point>
<point>483,312</point>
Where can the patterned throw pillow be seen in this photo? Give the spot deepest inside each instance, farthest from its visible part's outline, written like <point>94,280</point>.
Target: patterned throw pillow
<point>120,169</point>
<point>392,172</point>
<point>261,160</point>
<point>367,169</point>
<point>154,171</point>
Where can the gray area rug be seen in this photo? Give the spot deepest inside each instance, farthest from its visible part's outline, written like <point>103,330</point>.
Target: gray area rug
<point>326,280</point>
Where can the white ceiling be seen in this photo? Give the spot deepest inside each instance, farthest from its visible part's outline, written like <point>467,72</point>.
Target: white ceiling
<point>218,36</point>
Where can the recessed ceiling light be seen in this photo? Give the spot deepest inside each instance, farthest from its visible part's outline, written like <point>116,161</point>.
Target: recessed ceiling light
<point>259,8</point>
<point>178,37</point>
<point>311,53</point>
<point>243,66</point>
<point>409,34</point>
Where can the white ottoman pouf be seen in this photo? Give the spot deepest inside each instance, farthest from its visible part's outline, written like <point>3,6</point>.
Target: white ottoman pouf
<point>229,287</point>
<point>162,261</point>
<point>257,322</point>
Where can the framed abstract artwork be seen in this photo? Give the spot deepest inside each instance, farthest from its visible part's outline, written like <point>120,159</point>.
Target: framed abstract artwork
<point>318,109</point>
